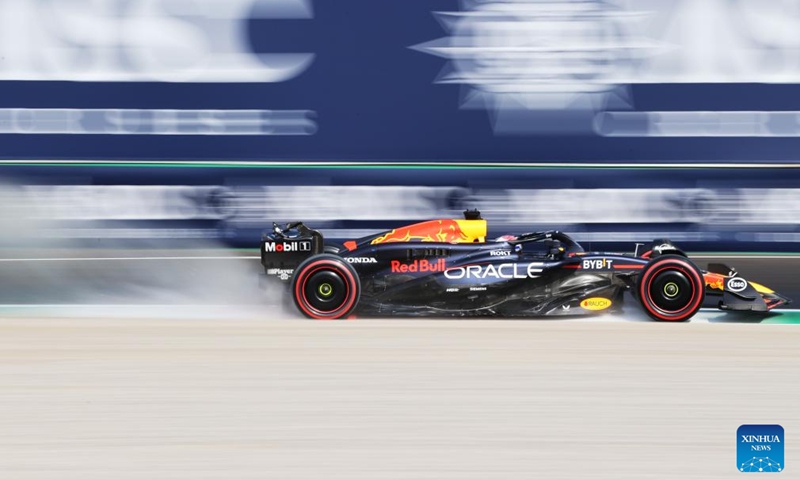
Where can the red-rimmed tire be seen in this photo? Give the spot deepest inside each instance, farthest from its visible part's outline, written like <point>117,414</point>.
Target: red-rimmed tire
<point>671,288</point>
<point>325,287</point>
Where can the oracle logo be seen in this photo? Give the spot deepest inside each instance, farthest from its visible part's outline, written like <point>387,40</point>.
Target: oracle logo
<point>504,271</point>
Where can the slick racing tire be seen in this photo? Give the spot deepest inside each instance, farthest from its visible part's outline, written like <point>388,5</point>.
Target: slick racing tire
<point>325,287</point>
<point>671,288</point>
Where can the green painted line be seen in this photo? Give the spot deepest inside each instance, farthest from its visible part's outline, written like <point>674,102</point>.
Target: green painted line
<point>332,166</point>
<point>775,317</point>
<point>781,318</point>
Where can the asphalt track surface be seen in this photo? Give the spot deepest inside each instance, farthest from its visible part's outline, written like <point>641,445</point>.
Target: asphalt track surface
<point>388,399</point>
<point>107,372</point>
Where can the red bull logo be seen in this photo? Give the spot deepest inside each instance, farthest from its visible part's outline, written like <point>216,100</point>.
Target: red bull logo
<point>444,231</point>
<point>417,266</point>
<point>715,281</point>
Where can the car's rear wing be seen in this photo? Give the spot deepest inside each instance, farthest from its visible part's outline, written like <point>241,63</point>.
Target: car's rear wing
<point>285,247</point>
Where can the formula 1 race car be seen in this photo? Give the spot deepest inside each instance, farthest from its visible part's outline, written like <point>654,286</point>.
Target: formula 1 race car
<point>448,268</point>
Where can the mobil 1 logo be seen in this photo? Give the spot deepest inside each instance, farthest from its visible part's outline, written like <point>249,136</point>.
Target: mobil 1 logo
<point>293,246</point>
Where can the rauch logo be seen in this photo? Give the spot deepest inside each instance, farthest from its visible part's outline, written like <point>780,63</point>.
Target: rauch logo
<point>596,303</point>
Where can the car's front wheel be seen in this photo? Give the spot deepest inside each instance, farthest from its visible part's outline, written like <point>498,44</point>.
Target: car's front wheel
<point>671,288</point>
<point>325,287</point>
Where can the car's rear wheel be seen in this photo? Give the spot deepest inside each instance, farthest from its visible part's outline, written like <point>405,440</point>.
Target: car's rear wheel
<point>671,288</point>
<point>325,287</point>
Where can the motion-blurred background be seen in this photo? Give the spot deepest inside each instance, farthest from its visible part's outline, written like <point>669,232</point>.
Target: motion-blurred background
<point>146,144</point>
<point>180,121</point>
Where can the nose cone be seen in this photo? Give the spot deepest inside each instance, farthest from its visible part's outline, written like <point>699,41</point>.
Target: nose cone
<point>774,299</point>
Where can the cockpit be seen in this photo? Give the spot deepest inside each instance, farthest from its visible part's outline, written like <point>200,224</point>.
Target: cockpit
<point>473,229</point>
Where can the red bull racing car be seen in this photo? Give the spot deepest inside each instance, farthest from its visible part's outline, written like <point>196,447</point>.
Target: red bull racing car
<point>449,268</point>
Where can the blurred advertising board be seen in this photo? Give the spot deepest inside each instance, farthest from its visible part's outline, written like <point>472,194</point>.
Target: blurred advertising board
<point>709,208</point>
<point>443,80</point>
<point>551,98</point>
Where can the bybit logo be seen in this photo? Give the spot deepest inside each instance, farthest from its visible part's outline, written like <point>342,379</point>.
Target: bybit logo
<point>601,264</point>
